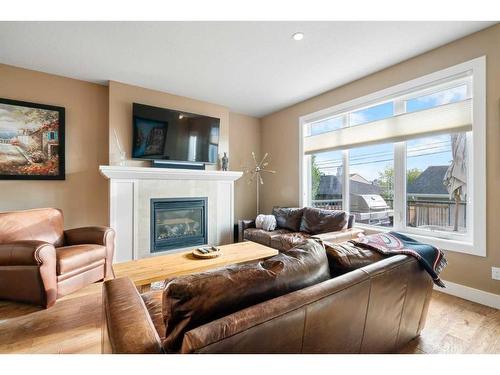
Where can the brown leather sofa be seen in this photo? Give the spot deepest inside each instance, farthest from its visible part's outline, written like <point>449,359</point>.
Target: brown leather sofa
<point>374,309</point>
<point>40,261</point>
<point>297,224</point>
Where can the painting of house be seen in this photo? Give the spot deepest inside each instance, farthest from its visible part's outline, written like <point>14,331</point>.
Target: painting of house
<point>31,141</point>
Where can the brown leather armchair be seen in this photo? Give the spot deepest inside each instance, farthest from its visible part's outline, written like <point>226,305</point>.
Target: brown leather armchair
<point>40,261</point>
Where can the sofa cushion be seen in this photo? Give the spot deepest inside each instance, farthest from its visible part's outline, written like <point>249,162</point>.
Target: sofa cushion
<point>346,257</point>
<point>316,220</point>
<point>152,300</point>
<point>288,218</point>
<point>69,258</point>
<point>288,241</point>
<point>262,236</point>
<point>191,301</point>
<point>41,224</point>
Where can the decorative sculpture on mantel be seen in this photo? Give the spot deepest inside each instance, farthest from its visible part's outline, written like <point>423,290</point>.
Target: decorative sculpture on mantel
<point>255,173</point>
<point>224,162</point>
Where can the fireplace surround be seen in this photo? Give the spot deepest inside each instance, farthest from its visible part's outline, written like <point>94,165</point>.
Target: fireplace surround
<point>132,188</point>
<point>178,223</point>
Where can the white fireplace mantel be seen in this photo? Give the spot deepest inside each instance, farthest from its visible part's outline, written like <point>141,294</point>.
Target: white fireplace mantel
<point>123,172</point>
<point>132,188</point>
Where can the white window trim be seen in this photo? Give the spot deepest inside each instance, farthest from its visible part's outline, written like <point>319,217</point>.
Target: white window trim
<point>476,243</point>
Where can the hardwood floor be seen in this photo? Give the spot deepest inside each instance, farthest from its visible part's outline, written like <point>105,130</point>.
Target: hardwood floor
<point>73,325</point>
<point>455,325</point>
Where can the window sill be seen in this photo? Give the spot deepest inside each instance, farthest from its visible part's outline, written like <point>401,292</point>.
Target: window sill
<point>464,247</point>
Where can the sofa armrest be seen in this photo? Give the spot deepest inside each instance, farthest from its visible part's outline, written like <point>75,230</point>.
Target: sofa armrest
<point>127,328</point>
<point>97,235</point>
<point>26,253</point>
<point>242,225</point>
<point>340,236</point>
<point>87,235</point>
<point>28,272</point>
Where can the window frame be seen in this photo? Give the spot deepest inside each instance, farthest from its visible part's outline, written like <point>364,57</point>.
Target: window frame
<point>475,241</point>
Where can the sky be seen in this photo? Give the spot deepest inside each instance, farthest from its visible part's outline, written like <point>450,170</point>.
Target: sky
<point>370,160</point>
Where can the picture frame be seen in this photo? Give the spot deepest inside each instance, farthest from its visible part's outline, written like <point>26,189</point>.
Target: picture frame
<point>32,141</point>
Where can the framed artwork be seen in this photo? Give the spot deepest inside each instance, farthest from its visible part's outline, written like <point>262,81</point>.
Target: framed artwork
<point>31,141</point>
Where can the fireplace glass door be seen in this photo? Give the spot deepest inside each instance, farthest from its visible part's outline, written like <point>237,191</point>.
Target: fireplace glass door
<point>178,223</point>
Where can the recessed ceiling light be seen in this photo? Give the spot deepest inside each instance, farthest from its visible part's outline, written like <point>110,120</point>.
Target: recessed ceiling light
<point>181,117</point>
<point>298,36</point>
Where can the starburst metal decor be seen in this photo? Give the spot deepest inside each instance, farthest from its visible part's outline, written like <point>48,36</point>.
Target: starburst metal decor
<point>254,173</point>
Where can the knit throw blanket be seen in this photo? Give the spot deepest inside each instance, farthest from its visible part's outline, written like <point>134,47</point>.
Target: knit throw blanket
<point>430,257</point>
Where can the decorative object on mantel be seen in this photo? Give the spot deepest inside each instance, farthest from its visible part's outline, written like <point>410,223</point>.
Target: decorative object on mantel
<point>31,141</point>
<point>225,162</point>
<point>120,149</point>
<point>207,252</point>
<point>254,173</point>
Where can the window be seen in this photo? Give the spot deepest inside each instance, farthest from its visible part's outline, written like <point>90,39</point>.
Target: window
<point>326,179</point>
<point>377,112</point>
<point>447,96</point>
<point>371,184</point>
<point>409,158</point>
<point>325,126</point>
<point>429,205</point>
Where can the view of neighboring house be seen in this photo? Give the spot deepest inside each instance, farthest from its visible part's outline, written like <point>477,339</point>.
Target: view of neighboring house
<point>429,203</point>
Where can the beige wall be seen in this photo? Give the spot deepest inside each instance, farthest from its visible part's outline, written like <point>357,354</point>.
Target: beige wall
<point>83,196</point>
<point>244,137</point>
<point>280,132</point>
<point>239,134</point>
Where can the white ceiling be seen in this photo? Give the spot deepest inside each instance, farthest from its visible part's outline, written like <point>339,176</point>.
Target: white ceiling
<point>251,67</point>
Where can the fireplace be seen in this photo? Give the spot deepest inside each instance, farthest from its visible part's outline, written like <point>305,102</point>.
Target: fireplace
<point>178,223</point>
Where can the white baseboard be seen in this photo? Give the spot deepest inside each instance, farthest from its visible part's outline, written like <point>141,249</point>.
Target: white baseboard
<point>470,294</point>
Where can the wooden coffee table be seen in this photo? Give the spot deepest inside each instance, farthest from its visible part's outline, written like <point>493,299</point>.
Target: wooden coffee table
<point>145,271</point>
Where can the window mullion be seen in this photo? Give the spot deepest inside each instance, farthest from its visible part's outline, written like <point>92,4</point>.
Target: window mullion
<point>345,180</point>
<point>399,185</point>
<point>307,183</point>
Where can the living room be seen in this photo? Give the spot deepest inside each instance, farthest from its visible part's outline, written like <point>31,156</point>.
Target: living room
<point>183,186</point>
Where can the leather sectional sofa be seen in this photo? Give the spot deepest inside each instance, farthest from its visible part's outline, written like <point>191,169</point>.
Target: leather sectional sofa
<point>294,225</point>
<point>290,303</point>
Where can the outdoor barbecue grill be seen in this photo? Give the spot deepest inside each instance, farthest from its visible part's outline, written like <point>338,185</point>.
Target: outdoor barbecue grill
<point>370,209</point>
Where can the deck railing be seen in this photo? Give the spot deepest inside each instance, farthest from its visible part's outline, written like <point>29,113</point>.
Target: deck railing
<point>419,213</point>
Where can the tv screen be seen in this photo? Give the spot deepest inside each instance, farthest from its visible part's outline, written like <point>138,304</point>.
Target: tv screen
<point>166,134</point>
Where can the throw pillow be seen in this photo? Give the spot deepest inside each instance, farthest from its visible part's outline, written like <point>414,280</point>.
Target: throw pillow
<point>266,222</point>
<point>288,218</point>
<point>316,220</point>
<point>346,257</point>
<point>193,300</point>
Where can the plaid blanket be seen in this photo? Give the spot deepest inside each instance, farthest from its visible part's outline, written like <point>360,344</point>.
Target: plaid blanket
<point>430,257</point>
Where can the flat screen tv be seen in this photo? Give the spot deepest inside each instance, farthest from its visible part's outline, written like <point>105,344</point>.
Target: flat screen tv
<point>167,134</point>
